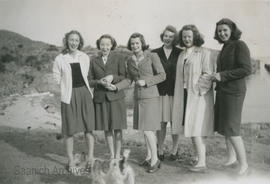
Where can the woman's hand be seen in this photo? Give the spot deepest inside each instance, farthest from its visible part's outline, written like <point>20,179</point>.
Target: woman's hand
<point>108,79</point>
<point>103,83</point>
<point>140,83</point>
<point>216,77</point>
<point>111,87</point>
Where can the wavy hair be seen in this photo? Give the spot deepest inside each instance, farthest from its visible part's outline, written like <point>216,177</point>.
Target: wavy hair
<point>141,37</point>
<point>235,32</point>
<point>173,30</point>
<point>113,41</point>
<point>197,37</point>
<point>65,41</point>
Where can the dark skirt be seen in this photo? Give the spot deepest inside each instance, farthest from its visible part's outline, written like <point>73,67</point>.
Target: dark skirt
<point>111,115</point>
<point>79,115</point>
<point>228,112</point>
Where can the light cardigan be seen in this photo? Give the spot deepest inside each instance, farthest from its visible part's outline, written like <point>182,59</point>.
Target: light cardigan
<point>63,76</point>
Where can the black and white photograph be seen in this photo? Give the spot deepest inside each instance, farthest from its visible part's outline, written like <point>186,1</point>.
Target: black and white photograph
<point>134,91</point>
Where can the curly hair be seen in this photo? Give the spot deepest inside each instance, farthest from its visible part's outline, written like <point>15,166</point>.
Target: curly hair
<point>173,30</point>
<point>113,41</point>
<point>235,32</point>
<point>65,41</point>
<point>197,37</point>
<point>137,35</point>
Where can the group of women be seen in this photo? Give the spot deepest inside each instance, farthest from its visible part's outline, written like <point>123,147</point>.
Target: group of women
<point>171,84</point>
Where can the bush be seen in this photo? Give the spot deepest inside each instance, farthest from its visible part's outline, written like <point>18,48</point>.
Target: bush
<point>2,67</point>
<point>7,58</point>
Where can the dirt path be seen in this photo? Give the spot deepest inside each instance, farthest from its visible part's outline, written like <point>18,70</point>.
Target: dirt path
<point>35,155</point>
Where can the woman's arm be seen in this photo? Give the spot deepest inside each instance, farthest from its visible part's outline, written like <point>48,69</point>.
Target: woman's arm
<point>243,64</point>
<point>91,77</point>
<point>159,73</point>
<point>121,70</point>
<point>127,80</point>
<point>205,82</point>
<point>57,69</point>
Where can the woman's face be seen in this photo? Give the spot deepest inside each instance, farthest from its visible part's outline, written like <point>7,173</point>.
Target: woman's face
<point>136,45</point>
<point>224,32</point>
<point>168,38</point>
<point>105,46</point>
<point>187,37</point>
<point>73,42</point>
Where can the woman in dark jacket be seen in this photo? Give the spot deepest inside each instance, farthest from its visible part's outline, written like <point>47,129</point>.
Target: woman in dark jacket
<point>168,54</point>
<point>107,69</point>
<point>233,66</point>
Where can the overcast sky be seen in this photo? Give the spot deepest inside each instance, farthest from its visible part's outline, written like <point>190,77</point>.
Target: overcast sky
<point>49,20</point>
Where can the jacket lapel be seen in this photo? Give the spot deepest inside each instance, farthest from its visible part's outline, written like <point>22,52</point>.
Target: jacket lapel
<point>99,62</point>
<point>162,55</point>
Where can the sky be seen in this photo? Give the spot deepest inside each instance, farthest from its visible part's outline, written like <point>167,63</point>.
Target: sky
<point>49,20</point>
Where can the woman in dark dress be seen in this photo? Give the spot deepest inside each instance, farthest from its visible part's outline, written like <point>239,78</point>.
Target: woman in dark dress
<point>70,70</point>
<point>168,55</point>
<point>107,69</point>
<point>233,66</point>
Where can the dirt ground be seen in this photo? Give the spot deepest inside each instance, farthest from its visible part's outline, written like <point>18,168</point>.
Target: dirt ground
<point>31,151</point>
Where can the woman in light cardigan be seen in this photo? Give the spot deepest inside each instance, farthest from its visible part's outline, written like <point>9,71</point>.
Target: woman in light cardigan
<point>194,98</point>
<point>70,70</point>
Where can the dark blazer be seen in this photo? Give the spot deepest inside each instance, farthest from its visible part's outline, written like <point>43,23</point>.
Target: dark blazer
<point>167,87</point>
<point>115,66</point>
<point>233,65</point>
<point>149,69</point>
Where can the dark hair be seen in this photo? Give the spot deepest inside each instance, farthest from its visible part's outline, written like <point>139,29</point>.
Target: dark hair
<point>65,41</point>
<point>235,32</point>
<point>138,35</point>
<point>197,37</point>
<point>173,30</point>
<point>114,44</point>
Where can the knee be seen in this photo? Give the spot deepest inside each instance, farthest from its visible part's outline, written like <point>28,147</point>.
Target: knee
<point>118,134</point>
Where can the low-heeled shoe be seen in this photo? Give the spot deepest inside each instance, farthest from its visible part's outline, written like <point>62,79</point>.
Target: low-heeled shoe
<point>155,167</point>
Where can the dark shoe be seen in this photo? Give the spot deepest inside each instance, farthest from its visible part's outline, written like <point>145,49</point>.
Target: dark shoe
<point>145,163</point>
<point>174,157</point>
<point>202,169</point>
<point>89,167</point>
<point>161,157</point>
<point>155,167</point>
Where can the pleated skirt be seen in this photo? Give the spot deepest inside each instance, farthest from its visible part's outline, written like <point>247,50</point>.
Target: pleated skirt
<point>166,108</point>
<point>147,114</point>
<point>111,115</point>
<point>79,115</point>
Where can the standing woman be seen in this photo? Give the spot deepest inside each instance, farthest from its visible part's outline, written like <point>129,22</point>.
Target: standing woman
<point>168,54</point>
<point>232,67</point>
<point>193,95</point>
<point>107,69</point>
<point>70,70</point>
<point>145,69</point>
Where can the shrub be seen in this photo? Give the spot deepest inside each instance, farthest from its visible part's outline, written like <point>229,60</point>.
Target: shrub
<point>7,58</point>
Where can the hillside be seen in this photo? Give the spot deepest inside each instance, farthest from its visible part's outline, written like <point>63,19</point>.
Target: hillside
<point>25,64</point>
